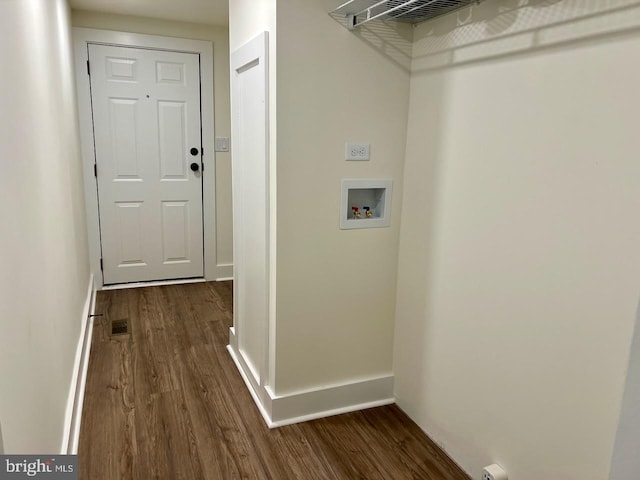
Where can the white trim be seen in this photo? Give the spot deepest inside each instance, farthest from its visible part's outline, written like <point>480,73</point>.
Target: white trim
<point>159,283</point>
<point>256,388</point>
<point>258,372</point>
<point>224,279</point>
<point>252,391</point>
<point>335,411</point>
<point>75,399</point>
<point>224,271</point>
<point>330,400</point>
<point>325,401</point>
<point>83,36</point>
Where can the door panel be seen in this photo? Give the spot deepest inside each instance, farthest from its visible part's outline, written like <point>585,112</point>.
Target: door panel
<point>121,69</point>
<point>175,232</point>
<point>146,113</point>
<point>130,233</point>
<point>123,113</point>
<point>170,73</point>
<point>172,125</point>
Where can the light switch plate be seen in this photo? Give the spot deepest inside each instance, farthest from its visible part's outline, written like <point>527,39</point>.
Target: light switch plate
<point>356,151</point>
<point>222,144</point>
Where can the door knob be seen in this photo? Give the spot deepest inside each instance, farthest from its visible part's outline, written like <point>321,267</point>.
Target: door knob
<point>194,151</point>
<point>195,167</point>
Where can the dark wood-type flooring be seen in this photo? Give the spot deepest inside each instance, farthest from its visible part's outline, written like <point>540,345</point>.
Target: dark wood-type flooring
<point>167,402</point>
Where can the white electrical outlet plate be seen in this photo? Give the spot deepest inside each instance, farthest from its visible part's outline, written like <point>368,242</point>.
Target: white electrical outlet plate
<point>222,144</point>
<point>356,151</point>
<point>494,472</point>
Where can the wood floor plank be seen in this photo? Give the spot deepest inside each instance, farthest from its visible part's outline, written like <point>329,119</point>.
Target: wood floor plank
<point>167,402</point>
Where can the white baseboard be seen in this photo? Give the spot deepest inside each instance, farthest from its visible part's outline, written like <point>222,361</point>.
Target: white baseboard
<point>157,283</point>
<point>224,272</point>
<point>330,400</point>
<point>256,398</point>
<point>296,407</point>
<point>71,432</point>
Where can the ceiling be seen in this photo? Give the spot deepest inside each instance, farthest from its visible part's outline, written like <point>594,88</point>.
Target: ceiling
<point>213,12</point>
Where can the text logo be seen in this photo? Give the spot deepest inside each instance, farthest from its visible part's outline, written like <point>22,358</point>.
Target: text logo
<point>40,467</point>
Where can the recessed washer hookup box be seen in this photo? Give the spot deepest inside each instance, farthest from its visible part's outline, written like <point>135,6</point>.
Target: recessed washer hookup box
<point>365,203</point>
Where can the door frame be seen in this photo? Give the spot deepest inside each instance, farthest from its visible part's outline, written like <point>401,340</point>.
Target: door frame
<point>81,38</point>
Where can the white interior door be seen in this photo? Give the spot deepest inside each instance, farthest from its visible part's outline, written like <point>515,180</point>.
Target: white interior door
<point>250,159</point>
<point>147,129</point>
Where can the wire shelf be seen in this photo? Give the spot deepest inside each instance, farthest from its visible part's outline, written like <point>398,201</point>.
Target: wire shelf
<point>359,12</point>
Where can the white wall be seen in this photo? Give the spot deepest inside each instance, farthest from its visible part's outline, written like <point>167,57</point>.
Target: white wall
<point>45,270</point>
<point>518,273</point>
<point>248,18</point>
<point>219,36</point>
<point>335,288</point>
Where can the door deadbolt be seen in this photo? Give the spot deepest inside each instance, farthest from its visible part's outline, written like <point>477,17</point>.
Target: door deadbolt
<point>194,151</point>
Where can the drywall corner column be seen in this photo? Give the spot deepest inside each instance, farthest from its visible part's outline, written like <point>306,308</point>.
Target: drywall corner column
<point>336,288</point>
